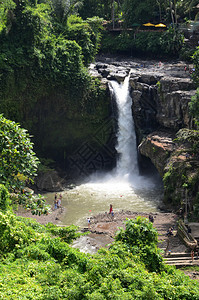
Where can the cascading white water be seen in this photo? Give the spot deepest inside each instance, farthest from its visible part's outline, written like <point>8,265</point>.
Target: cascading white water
<point>127,163</point>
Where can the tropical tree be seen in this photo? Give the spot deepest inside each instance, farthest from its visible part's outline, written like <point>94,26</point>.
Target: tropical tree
<point>63,8</point>
<point>187,8</point>
<point>194,107</point>
<point>141,239</point>
<point>6,8</point>
<point>139,11</point>
<point>18,164</point>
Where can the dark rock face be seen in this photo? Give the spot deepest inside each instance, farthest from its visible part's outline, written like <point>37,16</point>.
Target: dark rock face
<point>50,182</point>
<point>158,146</point>
<point>80,140</point>
<point>174,95</point>
<point>176,159</point>
<point>160,92</point>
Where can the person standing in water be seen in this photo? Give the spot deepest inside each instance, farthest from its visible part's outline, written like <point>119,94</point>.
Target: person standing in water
<point>55,201</point>
<point>59,201</point>
<point>89,222</point>
<point>111,210</point>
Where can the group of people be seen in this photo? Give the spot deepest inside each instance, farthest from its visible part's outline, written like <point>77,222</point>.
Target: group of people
<point>57,201</point>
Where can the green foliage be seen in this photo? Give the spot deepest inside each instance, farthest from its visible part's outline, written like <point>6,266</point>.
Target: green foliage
<point>36,203</point>
<point>186,53</point>
<point>83,35</point>
<point>14,233</point>
<point>87,34</point>
<point>194,106</point>
<point>195,214</point>
<point>67,234</point>
<point>172,41</point>
<point>4,198</point>
<point>195,74</point>
<point>166,43</point>
<point>138,232</point>
<point>18,165</point>
<point>101,8</point>
<point>34,252</point>
<point>191,137</point>
<point>39,56</point>
<point>141,238</point>
<point>138,11</point>
<point>168,178</point>
<point>63,9</point>
<point>18,162</point>
<point>6,8</point>
<point>43,267</point>
<point>182,175</point>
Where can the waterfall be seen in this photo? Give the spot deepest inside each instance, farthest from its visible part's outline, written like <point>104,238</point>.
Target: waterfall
<point>127,162</point>
<point>125,177</point>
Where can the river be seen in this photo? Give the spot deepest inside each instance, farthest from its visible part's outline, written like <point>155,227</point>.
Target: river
<point>92,198</point>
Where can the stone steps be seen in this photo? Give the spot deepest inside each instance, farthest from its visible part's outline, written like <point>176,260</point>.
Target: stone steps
<point>178,255</point>
<point>181,259</point>
<point>181,264</point>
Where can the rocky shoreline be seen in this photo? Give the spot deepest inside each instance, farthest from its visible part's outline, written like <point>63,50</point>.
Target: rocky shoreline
<point>103,228</point>
<point>52,217</point>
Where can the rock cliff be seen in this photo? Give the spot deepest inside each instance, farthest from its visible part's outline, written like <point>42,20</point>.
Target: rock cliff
<point>176,158</point>
<point>160,94</point>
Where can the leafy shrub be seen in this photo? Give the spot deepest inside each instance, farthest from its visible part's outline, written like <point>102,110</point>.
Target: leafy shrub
<point>139,232</point>
<point>4,198</point>
<point>160,43</point>
<point>30,222</point>
<point>47,268</point>
<point>34,252</point>
<point>17,160</point>
<point>141,238</point>
<point>66,233</point>
<point>13,233</point>
<point>194,107</point>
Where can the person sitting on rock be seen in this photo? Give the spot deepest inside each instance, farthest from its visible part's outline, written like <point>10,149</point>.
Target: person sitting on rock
<point>151,218</point>
<point>170,231</point>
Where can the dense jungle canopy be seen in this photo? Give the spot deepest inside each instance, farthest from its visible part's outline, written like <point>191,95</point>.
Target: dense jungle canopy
<point>47,46</point>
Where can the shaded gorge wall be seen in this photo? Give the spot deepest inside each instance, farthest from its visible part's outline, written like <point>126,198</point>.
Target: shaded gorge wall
<point>79,136</point>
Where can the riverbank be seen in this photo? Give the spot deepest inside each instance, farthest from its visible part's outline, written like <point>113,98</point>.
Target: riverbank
<point>103,228</point>
<point>52,217</point>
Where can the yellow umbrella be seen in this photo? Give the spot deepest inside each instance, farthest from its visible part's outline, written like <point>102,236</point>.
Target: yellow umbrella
<point>160,25</point>
<point>148,24</point>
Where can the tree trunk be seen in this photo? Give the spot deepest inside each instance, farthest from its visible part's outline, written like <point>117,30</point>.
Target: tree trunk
<point>113,14</point>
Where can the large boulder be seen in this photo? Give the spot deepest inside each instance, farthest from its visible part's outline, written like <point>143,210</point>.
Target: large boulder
<point>158,146</point>
<point>176,159</point>
<point>49,181</point>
